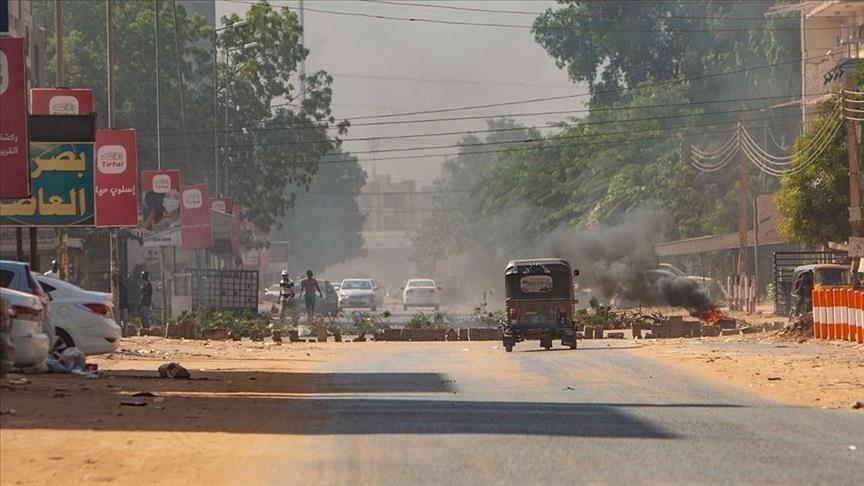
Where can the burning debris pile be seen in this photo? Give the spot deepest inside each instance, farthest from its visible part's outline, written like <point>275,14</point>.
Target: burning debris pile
<point>618,263</point>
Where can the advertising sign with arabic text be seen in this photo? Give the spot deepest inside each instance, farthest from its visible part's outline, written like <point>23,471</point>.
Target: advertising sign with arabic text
<point>14,159</point>
<point>116,178</point>
<point>62,179</point>
<point>61,101</point>
<point>160,213</point>
<point>195,217</point>
<point>60,172</point>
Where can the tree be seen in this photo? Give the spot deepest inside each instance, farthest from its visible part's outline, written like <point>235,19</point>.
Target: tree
<point>324,226</point>
<point>268,136</point>
<point>188,147</point>
<point>458,222</point>
<point>656,74</point>
<point>814,195</point>
<point>274,137</point>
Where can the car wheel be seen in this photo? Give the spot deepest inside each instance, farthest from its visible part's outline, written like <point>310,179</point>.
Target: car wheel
<point>63,341</point>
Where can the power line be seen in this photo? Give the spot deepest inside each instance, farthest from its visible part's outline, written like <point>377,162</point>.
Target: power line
<point>623,141</point>
<point>452,81</point>
<point>537,13</point>
<point>663,30</point>
<point>583,124</point>
<point>280,126</point>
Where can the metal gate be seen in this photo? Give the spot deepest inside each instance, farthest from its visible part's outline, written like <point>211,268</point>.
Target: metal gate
<point>785,263</point>
<point>235,290</point>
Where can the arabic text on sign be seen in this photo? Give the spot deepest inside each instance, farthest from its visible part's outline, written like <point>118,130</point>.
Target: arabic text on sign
<point>63,162</point>
<point>54,205</point>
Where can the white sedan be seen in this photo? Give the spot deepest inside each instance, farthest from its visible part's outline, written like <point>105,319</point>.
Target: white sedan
<point>420,292</point>
<point>81,318</point>
<point>31,344</point>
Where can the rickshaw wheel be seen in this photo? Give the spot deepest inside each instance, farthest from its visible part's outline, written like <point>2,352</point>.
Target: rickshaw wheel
<point>508,348</point>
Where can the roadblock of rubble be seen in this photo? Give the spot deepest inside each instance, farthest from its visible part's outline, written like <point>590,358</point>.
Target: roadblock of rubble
<point>464,334</point>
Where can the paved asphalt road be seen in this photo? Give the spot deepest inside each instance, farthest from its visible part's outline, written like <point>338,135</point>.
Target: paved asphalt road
<point>465,413</point>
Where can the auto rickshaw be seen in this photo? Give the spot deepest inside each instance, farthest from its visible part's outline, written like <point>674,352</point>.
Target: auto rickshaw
<point>817,276</point>
<point>539,302</point>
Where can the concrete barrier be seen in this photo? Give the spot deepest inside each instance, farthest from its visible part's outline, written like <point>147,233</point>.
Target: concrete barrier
<point>484,334</point>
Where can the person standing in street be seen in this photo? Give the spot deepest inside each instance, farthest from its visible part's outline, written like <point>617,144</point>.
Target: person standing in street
<point>146,299</point>
<point>309,287</point>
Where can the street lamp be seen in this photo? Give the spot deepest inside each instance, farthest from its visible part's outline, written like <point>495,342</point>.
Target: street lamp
<point>235,25</point>
<point>244,47</point>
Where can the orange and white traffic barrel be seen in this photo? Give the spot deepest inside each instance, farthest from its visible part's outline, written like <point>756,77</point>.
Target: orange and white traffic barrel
<point>847,314</point>
<point>818,310</point>
<point>832,313</point>
<point>853,331</point>
<point>860,337</point>
<point>852,316</point>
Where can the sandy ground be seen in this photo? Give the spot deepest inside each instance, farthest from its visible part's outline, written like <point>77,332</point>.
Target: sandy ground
<point>62,428</point>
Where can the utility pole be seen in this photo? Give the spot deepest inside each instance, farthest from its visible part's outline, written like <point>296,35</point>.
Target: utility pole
<point>59,81</point>
<point>854,166</point>
<point>165,294</point>
<point>743,203</point>
<point>114,240</point>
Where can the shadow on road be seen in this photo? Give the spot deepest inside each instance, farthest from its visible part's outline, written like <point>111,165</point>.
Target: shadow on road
<point>311,404</point>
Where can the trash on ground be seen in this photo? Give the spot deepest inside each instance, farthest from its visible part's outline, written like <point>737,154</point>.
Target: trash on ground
<point>173,370</point>
<point>133,403</point>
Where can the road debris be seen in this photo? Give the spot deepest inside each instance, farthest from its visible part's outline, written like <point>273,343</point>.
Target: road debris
<point>144,394</point>
<point>133,403</point>
<point>173,370</point>
<point>856,405</point>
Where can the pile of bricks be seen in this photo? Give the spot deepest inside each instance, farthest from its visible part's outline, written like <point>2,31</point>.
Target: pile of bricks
<point>464,334</point>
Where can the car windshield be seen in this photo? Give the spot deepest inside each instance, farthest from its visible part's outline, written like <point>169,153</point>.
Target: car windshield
<point>356,285</point>
<point>833,276</point>
<point>421,283</point>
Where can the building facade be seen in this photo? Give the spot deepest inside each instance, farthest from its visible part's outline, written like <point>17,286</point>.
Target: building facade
<point>832,35</point>
<point>21,25</point>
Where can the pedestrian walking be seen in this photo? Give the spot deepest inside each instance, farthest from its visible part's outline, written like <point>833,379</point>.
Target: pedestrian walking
<point>144,308</point>
<point>309,286</point>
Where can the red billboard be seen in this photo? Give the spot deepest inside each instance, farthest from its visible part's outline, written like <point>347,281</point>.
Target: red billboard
<point>61,101</point>
<point>222,204</point>
<point>195,217</point>
<point>14,142</point>
<point>116,178</point>
<point>160,214</point>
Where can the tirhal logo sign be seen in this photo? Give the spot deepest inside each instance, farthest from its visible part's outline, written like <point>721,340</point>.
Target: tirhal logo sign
<point>218,205</point>
<point>192,199</point>
<point>161,183</point>
<point>111,159</point>
<point>63,105</point>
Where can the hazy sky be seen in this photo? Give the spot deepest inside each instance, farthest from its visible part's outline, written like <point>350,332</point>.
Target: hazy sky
<point>392,66</point>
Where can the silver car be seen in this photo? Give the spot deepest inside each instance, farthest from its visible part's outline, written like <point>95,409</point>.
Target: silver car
<point>360,293</point>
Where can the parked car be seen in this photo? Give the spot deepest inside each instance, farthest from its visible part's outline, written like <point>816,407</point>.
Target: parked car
<point>420,292</point>
<point>360,293</point>
<point>271,293</point>
<point>7,349</point>
<point>82,319</point>
<point>17,276</point>
<point>715,290</point>
<point>26,314</point>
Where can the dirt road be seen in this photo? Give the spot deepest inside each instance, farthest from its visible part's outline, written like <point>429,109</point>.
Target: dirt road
<point>431,413</point>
